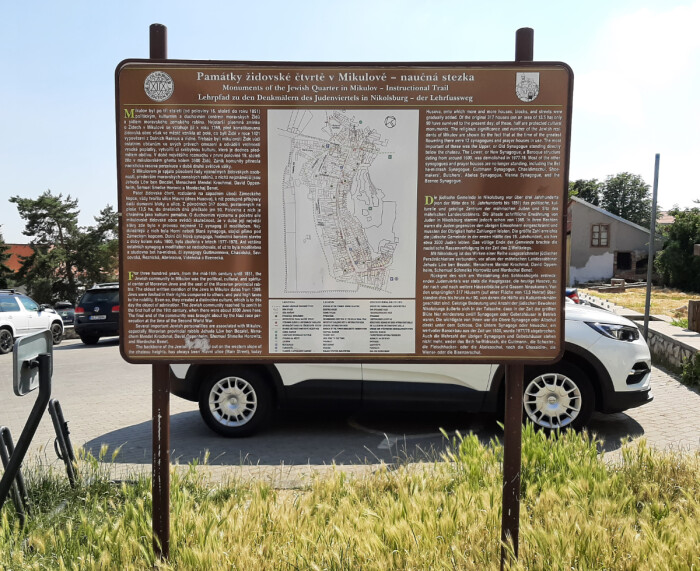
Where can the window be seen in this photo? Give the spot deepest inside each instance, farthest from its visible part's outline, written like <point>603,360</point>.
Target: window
<point>29,304</point>
<point>9,304</point>
<point>109,296</point>
<point>600,235</point>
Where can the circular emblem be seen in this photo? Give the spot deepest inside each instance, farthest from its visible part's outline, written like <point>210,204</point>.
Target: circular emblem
<point>390,121</point>
<point>159,86</point>
<point>97,309</point>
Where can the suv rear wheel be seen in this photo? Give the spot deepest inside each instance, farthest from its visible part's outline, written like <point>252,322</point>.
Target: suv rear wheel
<point>90,339</point>
<point>235,402</point>
<point>558,396</point>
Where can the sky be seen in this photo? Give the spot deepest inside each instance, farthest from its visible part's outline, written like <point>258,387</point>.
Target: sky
<point>636,70</point>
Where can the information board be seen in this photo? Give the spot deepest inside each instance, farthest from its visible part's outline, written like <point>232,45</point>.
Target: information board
<point>311,212</point>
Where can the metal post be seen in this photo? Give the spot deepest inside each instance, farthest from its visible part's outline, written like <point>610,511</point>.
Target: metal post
<point>44,363</point>
<point>62,444</point>
<point>512,452</point>
<point>17,497</point>
<point>158,41</point>
<point>524,44</point>
<point>652,246</point>
<point>9,444</point>
<point>161,461</point>
<point>160,394</point>
<point>513,420</point>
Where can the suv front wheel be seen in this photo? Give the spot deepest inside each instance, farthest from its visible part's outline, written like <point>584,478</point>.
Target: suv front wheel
<point>235,403</point>
<point>558,396</point>
<point>56,333</point>
<point>7,341</point>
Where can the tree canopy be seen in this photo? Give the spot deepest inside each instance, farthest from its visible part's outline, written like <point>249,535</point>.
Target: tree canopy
<point>5,272</point>
<point>588,190</point>
<point>98,248</point>
<point>52,221</point>
<point>627,196</point>
<point>66,256</point>
<point>676,263</point>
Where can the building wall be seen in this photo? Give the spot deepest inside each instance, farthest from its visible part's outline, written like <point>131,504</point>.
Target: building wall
<point>598,263</point>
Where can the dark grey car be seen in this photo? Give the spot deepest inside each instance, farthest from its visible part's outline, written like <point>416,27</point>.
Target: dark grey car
<point>67,312</point>
<point>97,313</point>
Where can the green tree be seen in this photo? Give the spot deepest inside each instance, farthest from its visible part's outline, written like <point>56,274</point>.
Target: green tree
<point>676,263</point>
<point>627,196</point>
<point>52,221</point>
<point>5,272</point>
<point>66,256</point>
<point>588,190</point>
<point>98,248</point>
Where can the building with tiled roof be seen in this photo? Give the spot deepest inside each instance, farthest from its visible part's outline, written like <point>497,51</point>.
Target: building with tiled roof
<point>17,253</point>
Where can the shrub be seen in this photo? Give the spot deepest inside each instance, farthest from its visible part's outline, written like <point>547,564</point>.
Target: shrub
<point>691,371</point>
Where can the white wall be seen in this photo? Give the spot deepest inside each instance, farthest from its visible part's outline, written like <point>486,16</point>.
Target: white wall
<point>597,268</point>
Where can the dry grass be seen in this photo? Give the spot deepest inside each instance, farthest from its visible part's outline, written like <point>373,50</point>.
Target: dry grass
<point>577,513</point>
<point>664,301</point>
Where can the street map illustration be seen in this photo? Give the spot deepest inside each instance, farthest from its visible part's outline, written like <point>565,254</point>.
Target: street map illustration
<point>342,203</point>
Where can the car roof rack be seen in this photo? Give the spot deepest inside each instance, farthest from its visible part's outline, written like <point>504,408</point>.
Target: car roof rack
<point>7,291</point>
<point>105,285</point>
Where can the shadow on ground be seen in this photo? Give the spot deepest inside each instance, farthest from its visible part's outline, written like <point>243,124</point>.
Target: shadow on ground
<point>325,438</point>
<point>80,346</point>
<point>611,429</point>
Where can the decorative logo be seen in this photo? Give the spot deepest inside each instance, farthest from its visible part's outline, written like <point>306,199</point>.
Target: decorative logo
<point>159,86</point>
<point>390,121</point>
<point>527,86</point>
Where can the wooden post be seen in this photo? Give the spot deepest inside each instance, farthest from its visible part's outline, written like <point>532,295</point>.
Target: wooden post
<point>694,315</point>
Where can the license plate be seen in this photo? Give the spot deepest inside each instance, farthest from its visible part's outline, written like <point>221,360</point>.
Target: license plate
<point>97,317</point>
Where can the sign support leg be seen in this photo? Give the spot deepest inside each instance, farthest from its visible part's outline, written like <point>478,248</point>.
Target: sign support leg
<point>43,362</point>
<point>62,444</point>
<point>19,493</point>
<point>512,450</point>
<point>513,421</point>
<point>161,461</point>
<point>158,45</point>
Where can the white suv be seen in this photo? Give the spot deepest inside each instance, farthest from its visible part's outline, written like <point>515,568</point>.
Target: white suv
<point>21,315</point>
<point>606,367</point>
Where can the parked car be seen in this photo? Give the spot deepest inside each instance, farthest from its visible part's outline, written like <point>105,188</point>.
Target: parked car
<point>21,315</point>
<point>97,313</point>
<point>606,367</point>
<point>67,312</point>
<point>572,294</point>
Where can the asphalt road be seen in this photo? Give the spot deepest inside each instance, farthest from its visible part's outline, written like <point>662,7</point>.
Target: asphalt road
<point>107,402</point>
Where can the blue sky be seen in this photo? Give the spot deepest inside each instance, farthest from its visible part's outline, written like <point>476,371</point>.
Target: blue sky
<point>636,66</point>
